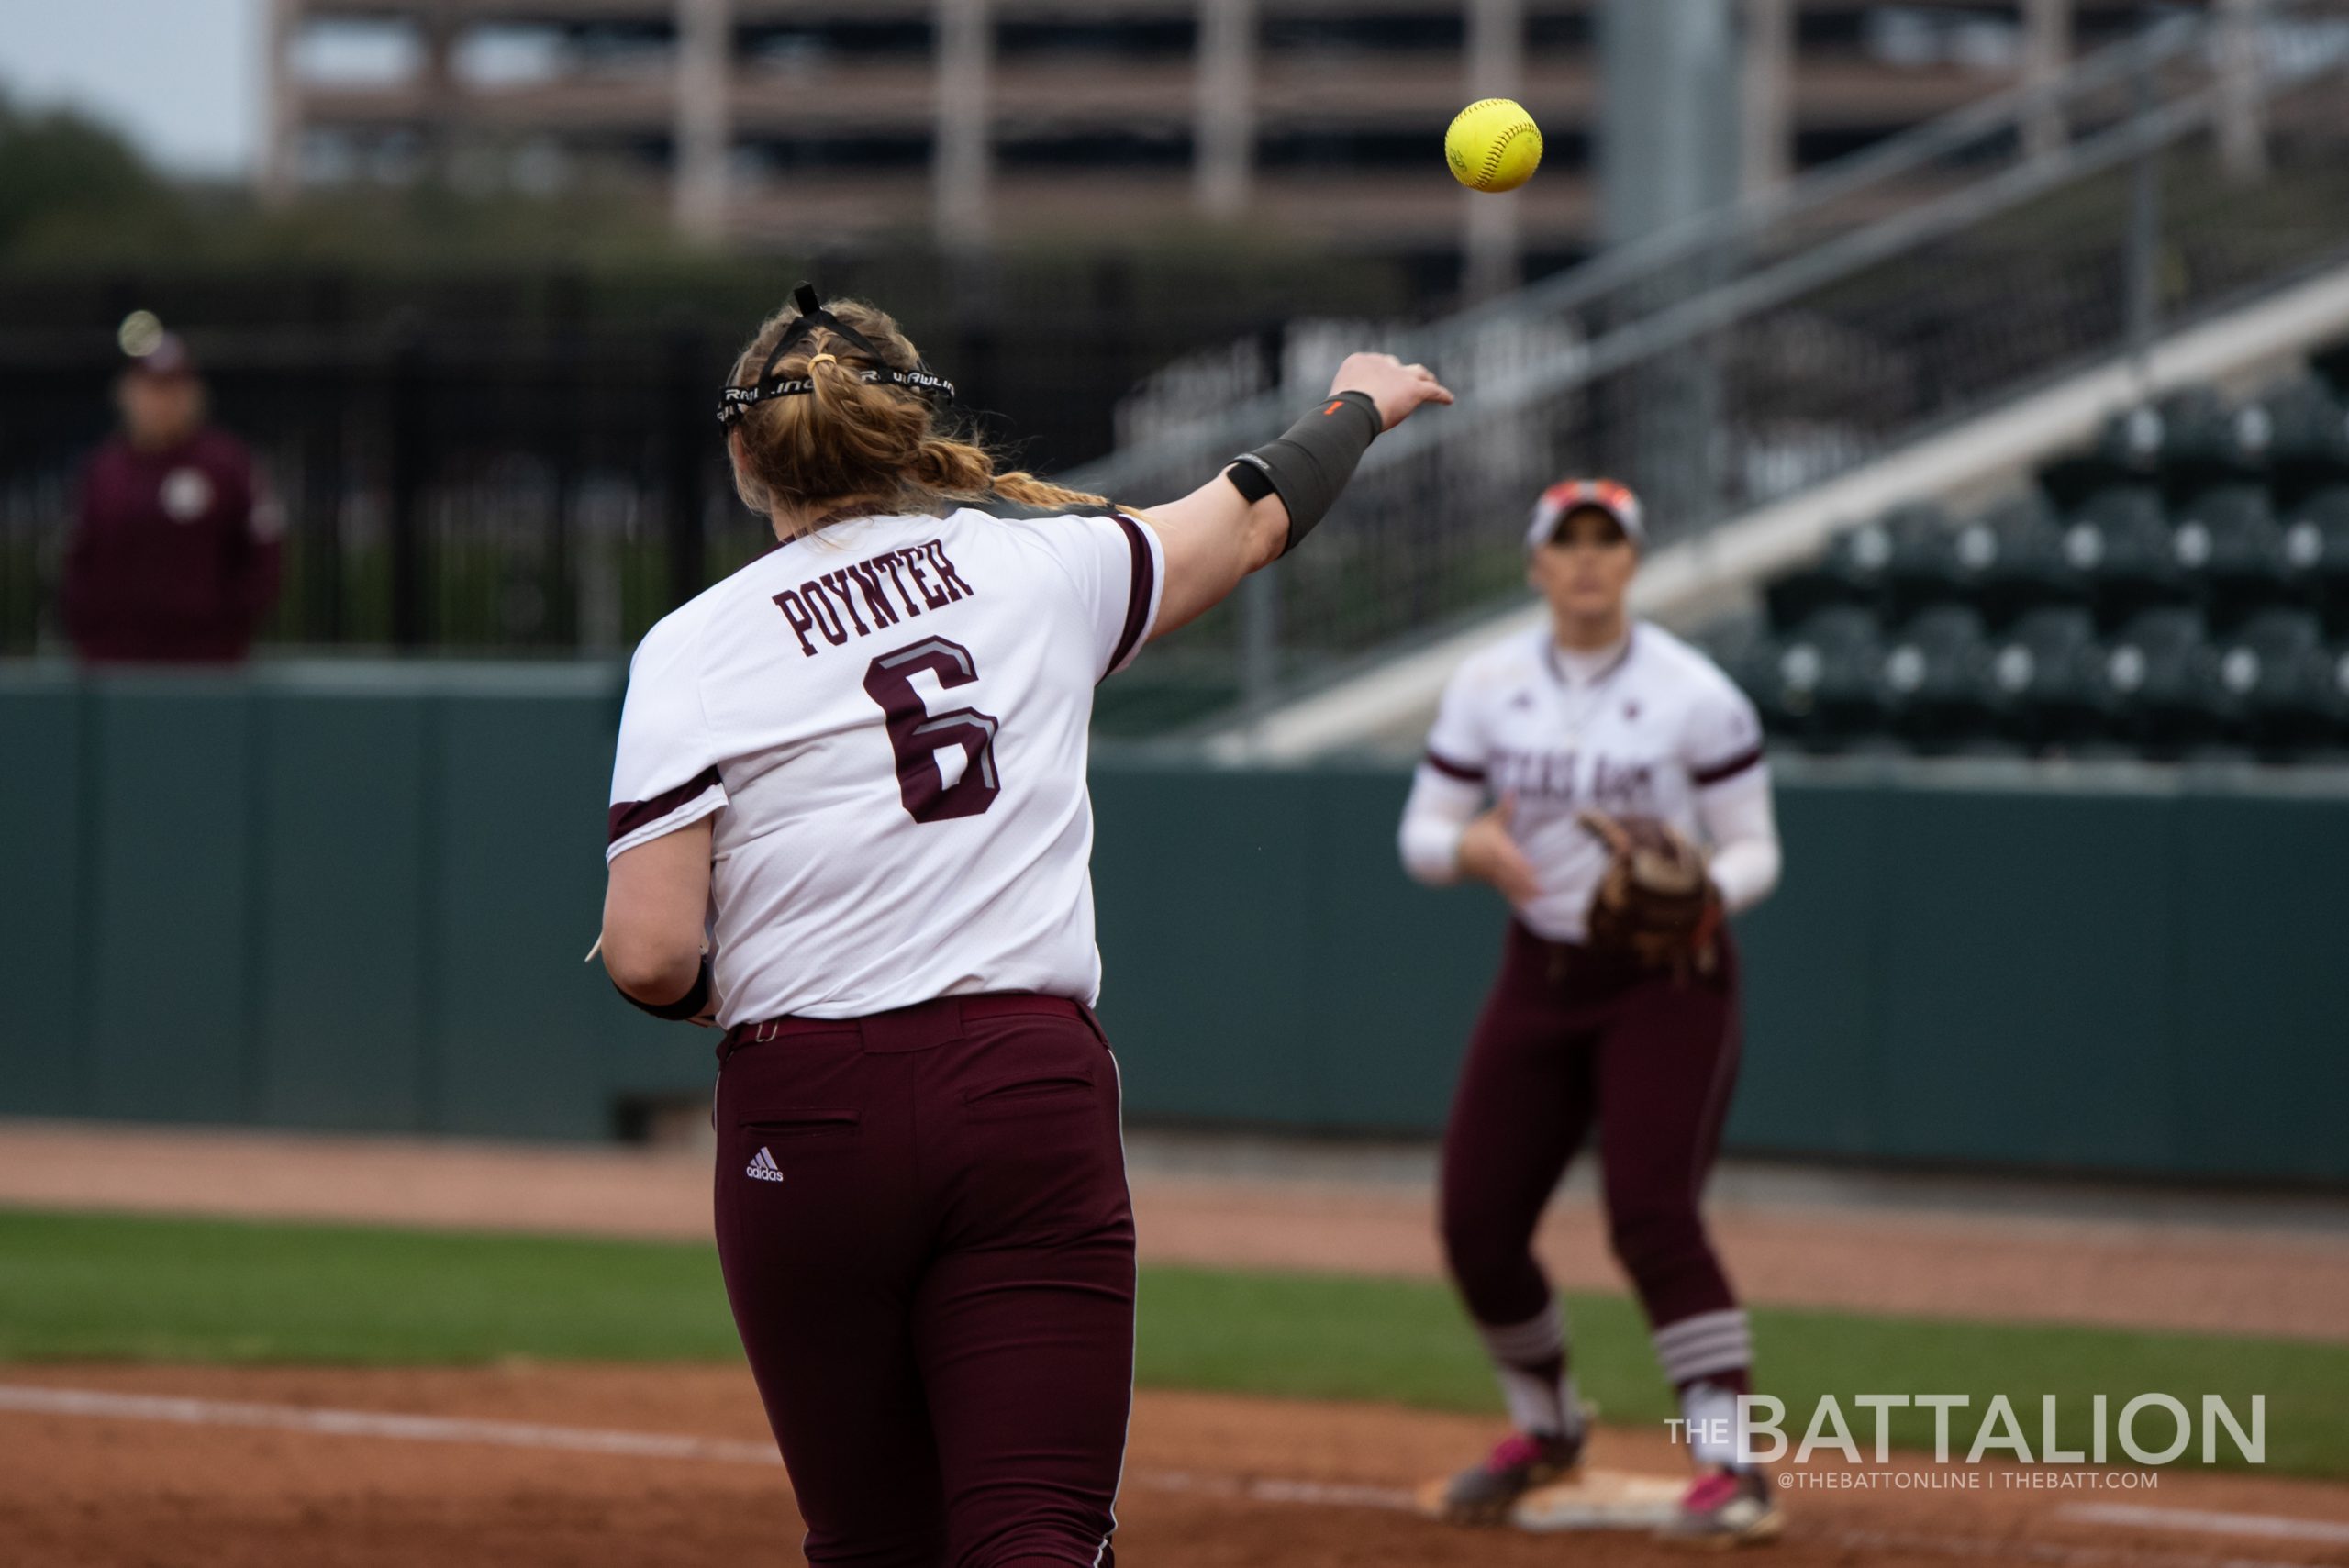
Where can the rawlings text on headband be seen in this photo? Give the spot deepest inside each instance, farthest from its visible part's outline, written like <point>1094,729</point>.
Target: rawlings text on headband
<point>736,401</point>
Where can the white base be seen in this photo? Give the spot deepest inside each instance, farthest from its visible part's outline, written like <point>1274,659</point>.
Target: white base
<point>1600,1499</point>
<point>1594,1499</point>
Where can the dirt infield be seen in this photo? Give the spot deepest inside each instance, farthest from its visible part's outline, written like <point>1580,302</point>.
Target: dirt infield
<point>659,1465</point>
<point>2014,1267</point>
<point>1211,1482</point>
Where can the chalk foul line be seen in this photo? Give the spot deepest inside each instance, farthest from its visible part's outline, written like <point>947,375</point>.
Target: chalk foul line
<point>1261,1489</point>
<point>32,1399</point>
<point>2271,1527</point>
<point>45,1401</point>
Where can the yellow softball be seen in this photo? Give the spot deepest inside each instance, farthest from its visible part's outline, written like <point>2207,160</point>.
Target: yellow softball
<point>1493,145</point>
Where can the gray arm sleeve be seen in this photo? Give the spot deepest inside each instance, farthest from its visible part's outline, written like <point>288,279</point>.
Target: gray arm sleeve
<point>1311,462</point>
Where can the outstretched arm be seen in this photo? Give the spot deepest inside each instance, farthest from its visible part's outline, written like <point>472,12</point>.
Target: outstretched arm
<point>1215,536</point>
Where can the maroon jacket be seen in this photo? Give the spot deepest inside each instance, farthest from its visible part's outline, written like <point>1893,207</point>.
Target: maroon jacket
<point>175,554</point>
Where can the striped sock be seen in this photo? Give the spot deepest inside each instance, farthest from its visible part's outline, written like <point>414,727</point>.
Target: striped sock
<point>1530,1359</point>
<point>1709,1346</point>
<point>1708,1358</point>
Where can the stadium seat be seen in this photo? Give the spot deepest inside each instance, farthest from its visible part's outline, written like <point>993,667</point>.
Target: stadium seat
<point>1851,573</point>
<point>2205,440</point>
<point>2316,555</point>
<point>2283,683</point>
<point>2307,439</point>
<point>2180,589</point>
<point>2230,546</point>
<point>2012,560</point>
<point>2120,542</point>
<point>2163,675</point>
<point>1937,679</point>
<point>1826,683</point>
<point>2190,441</point>
<point>2331,367</point>
<point>1923,567</point>
<point>2338,746</point>
<point>2127,452</point>
<point>1754,665</point>
<point>2054,690</point>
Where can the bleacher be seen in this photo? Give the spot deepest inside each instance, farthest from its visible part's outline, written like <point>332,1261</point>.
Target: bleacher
<point>2178,591</point>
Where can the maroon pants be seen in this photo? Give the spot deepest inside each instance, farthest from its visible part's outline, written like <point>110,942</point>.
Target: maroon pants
<point>929,1251</point>
<point>1566,1038</point>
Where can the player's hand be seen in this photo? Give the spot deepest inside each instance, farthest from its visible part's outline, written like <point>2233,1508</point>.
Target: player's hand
<point>1488,853</point>
<point>1396,387</point>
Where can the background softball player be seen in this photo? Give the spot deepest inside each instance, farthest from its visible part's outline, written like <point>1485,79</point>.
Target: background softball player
<point>863,758</point>
<point>1609,745</point>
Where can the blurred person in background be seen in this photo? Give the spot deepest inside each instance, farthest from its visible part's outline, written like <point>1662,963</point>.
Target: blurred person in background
<point>174,556</point>
<point>1612,1008</point>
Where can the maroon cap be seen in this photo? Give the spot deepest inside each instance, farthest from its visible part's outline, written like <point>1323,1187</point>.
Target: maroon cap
<point>1570,495</point>
<point>168,358</point>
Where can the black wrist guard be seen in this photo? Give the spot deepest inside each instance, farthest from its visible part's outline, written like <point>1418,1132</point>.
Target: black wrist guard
<point>1311,464</point>
<point>688,1006</point>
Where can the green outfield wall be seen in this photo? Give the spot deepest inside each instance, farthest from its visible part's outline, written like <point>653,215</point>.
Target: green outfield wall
<point>357,896</point>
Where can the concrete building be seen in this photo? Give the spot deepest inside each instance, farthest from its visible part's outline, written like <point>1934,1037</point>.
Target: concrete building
<point>807,122</point>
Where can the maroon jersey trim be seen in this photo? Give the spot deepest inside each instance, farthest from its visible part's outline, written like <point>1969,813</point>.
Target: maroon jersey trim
<point>629,815</point>
<point>1460,770</point>
<point>1137,591</point>
<point>1702,777</point>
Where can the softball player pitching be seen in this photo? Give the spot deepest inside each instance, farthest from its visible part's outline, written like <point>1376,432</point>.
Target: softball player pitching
<point>849,827</point>
<point>1611,747</point>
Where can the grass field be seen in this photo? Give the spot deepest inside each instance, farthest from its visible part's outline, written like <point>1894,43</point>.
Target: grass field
<point>110,1288</point>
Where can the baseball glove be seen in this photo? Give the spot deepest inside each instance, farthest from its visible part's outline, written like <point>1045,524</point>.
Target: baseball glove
<point>1655,904</point>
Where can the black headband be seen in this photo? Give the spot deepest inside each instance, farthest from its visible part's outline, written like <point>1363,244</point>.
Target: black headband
<point>736,401</point>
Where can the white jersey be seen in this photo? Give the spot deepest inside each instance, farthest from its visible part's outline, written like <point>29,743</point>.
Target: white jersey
<point>1651,733</point>
<point>889,720</point>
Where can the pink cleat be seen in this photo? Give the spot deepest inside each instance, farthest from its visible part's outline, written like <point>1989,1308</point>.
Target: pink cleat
<point>1726,1509</point>
<point>1518,1462</point>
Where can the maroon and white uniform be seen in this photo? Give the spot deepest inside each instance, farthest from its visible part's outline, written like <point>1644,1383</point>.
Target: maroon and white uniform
<point>1649,728</point>
<point>1570,1038</point>
<point>921,1207</point>
<point>889,720</point>
<point>174,556</point>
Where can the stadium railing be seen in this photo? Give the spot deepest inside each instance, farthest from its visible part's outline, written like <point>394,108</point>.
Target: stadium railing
<point>1740,359</point>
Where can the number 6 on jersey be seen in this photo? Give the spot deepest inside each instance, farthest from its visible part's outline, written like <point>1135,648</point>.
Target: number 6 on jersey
<point>917,737</point>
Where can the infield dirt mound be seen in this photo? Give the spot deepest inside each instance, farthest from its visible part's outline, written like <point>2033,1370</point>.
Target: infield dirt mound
<point>1212,1481</point>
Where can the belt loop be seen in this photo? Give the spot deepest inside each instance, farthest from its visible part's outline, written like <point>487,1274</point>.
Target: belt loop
<point>766,1031</point>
